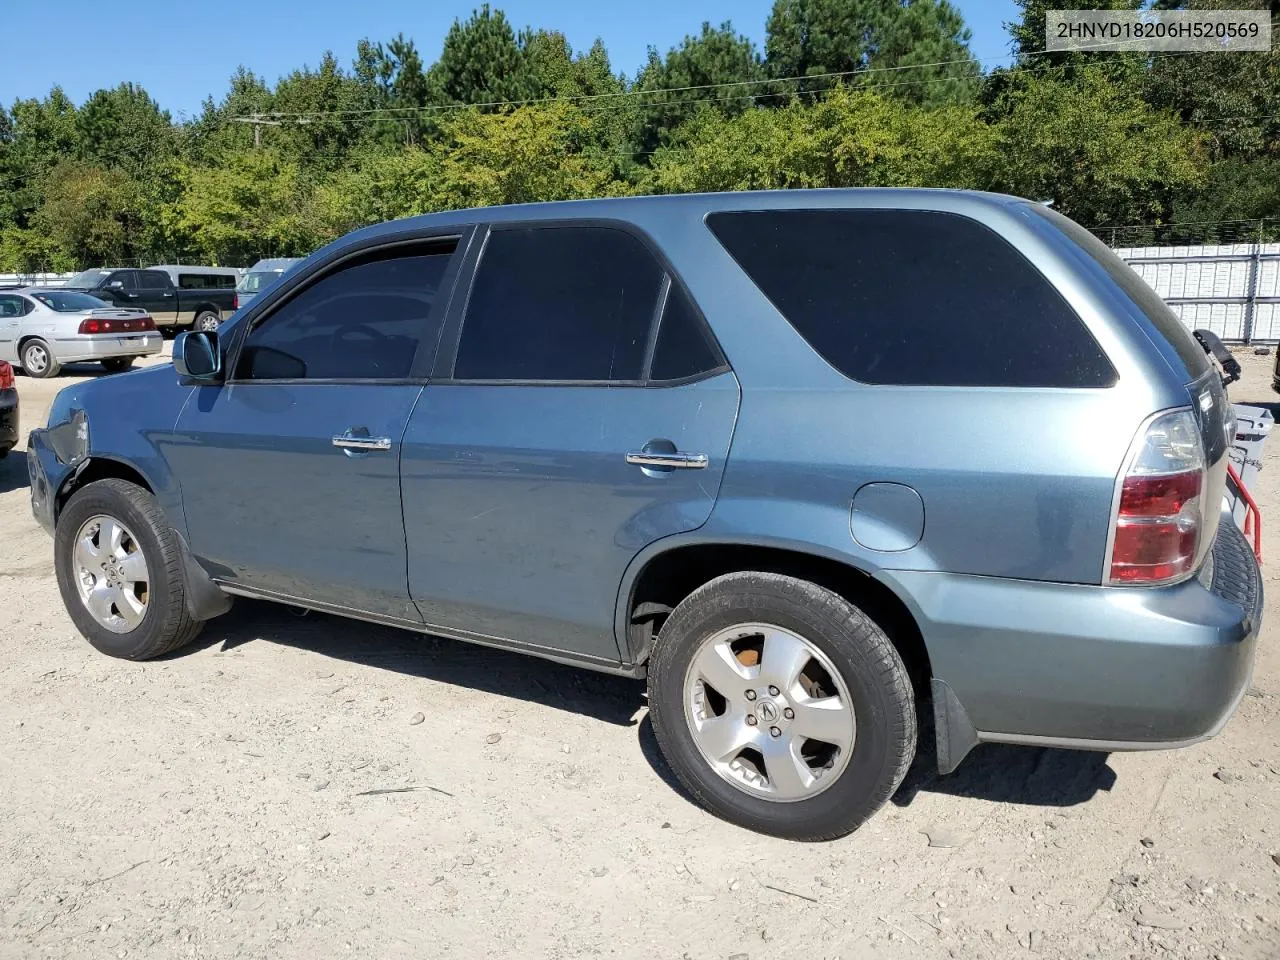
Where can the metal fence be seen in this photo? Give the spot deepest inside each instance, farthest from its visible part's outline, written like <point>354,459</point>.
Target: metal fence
<point>1232,289</point>
<point>44,279</point>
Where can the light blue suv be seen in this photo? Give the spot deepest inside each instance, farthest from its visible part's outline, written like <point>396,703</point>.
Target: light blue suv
<point>807,460</point>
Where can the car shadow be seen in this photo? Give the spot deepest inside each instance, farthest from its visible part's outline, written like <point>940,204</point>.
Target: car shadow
<point>13,471</point>
<point>1030,776</point>
<point>1003,773</point>
<point>611,699</point>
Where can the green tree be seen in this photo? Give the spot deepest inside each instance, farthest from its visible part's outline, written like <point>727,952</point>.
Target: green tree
<point>1233,97</point>
<point>481,62</point>
<point>811,38</point>
<point>255,203</point>
<point>90,214</point>
<point>1097,149</point>
<point>1237,188</point>
<point>715,63</point>
<point>123,127</point>
<point>850,138</point>
<point>536,153</point>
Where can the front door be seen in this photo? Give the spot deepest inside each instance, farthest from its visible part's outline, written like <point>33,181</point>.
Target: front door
<point>568,434</point>
<point>290,470</point>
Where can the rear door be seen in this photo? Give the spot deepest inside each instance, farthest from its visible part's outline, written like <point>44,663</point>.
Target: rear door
<point>157,296</point>
<point>290,470</point>
<point>580,411</point>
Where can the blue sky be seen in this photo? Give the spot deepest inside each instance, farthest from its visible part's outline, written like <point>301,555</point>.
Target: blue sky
<point>180,55</point>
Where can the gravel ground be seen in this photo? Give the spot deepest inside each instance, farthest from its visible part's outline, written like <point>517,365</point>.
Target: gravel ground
<point>313,787</point>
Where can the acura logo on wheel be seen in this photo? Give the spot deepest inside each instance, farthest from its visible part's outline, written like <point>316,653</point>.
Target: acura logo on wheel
<point>766,711</point>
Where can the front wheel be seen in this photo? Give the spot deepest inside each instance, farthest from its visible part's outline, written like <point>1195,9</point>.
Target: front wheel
<point>119,570</point>
<point>207,322</point>
<point>117,364</point>
<point>781,706</point>
<point>38,360</point>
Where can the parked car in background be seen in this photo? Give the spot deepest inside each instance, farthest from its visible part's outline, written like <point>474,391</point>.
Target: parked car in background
<point>806,460</point>
<point>187,277</point>
<point>153,292</point>
<point>260,276</point>
<point>8,409</point>
<point>43,328</point>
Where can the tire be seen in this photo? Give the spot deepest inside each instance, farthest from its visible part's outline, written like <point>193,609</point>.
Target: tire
<point>117,364</point>
<point>165,625</point>
<point>849,785</point>
<point>38,360</point>
<point>207,321</point>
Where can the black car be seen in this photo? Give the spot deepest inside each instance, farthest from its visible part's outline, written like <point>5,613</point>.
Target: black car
<point>8,410</point>
<point>170,307</point>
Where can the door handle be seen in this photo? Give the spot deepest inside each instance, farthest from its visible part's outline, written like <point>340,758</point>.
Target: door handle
<point>362,444</point>
<point>676,461</point>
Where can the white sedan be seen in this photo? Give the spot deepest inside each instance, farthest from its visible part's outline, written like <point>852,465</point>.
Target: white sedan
<point>41,329</point>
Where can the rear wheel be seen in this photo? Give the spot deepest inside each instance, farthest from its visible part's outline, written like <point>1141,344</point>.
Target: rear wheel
<point>120,572</point>
<point>207,321</point>
<point>781,706</point>
<point>38,360</point>
<point>117,364</point>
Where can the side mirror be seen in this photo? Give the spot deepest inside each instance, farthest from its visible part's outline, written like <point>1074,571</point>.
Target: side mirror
<point>196,356</point>
<point>116,284</point>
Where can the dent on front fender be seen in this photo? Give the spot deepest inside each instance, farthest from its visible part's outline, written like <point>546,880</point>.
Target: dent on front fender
<point>69,440</point>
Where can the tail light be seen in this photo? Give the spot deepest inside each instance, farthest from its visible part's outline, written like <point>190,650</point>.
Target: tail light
<point>1159,514</point>
<point>235,301</point>
<point>132,325</point>
<point>6,375</point>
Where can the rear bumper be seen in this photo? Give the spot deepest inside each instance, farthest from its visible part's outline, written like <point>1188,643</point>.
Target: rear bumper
<point>1088,667</point>
<point>8,419</point>
<point>104,347</point>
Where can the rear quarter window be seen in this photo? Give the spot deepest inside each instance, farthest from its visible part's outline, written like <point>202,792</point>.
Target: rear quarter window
<point>1167,323</point>
<point>914,297</point>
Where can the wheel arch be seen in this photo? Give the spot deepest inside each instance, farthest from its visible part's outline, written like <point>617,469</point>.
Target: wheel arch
<point>659,578</point>
<point>95,468</point>
<point>27,338</point>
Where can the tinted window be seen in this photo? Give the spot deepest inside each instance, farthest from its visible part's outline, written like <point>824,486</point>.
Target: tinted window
<point>682,349</point>
<point>365,321</point>
<point>1136,289</point>
<point>126,278</point>
<point>154,280</point>
<point>559,303</point>
<point>914,297</point>
<point>206,281</point>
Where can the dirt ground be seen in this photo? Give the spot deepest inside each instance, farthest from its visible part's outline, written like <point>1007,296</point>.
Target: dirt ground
<point>268,793</point>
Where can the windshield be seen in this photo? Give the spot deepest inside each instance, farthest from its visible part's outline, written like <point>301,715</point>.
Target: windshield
<point>257,282</point>
<point>87,278</point>
<point>68,301</point>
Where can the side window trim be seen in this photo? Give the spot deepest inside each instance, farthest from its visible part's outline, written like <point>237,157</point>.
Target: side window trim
<point>451,336</point>
<point>655,325</point>
<point>419,371</point>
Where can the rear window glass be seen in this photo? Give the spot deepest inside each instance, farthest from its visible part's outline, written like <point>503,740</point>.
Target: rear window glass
<point>68,301</point>
<point>1169,325</point>
<point>914,297</point>
<point>154,280</point>
<point>206,281</point>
